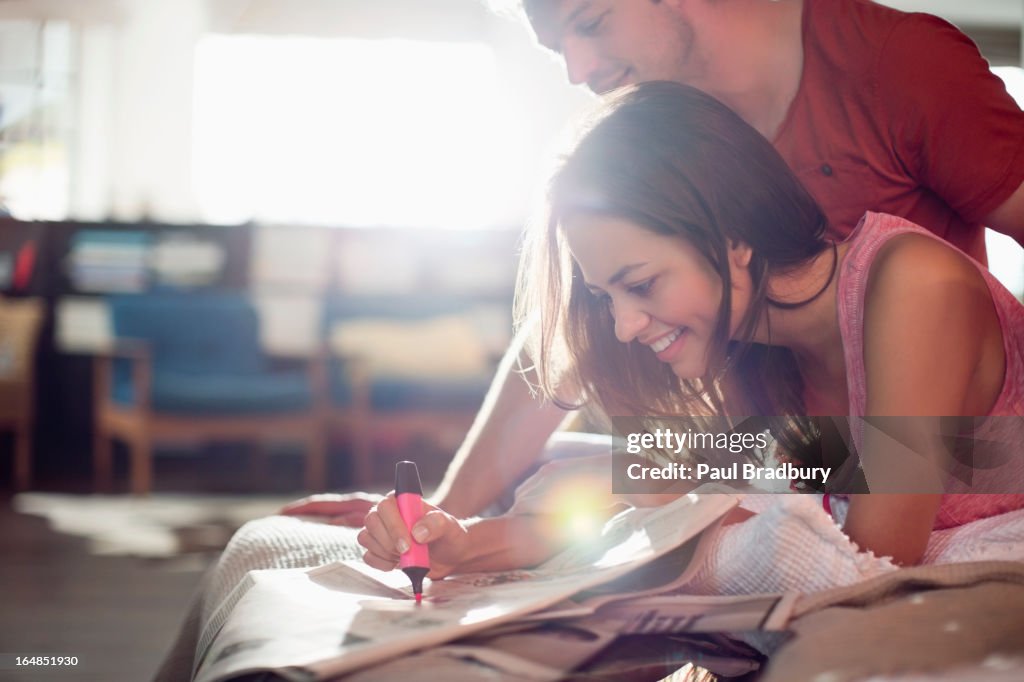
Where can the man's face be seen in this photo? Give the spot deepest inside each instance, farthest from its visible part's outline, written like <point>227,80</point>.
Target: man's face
<point>610,43</point>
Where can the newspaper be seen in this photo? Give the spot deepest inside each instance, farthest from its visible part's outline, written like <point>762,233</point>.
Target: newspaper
<point>318,623</point>
<point>551,650</point>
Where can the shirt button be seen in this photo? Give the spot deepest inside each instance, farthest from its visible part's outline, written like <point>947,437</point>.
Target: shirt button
<point>826,170</point>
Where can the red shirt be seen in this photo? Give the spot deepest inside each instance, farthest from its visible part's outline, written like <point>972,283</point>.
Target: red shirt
<point>907,119</point>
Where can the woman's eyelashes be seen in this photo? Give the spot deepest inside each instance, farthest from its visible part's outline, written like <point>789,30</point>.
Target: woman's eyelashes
<point>602,299</point>
<point>591,27</point>
<point>641,288</point>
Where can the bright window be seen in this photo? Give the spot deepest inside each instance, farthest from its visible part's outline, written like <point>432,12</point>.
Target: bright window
<point>355,132</point>
<point>1005,256</point>
<point>37,104</point>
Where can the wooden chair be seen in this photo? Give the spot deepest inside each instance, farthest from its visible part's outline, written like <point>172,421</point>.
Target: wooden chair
<point>393,376</point>
<point>375,409</point>
<point>189,367</point>
<point>20,321</point>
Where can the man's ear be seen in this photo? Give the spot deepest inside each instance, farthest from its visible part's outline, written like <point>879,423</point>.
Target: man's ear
<point>740,253</point>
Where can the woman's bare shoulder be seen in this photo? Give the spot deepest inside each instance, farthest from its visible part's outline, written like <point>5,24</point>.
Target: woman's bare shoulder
<point>916,263</point>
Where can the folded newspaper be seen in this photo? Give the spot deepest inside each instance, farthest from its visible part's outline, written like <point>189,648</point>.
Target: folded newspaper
<point>314,624</point>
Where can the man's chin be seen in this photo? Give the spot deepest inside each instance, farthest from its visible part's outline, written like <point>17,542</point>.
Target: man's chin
<point>628,77</point>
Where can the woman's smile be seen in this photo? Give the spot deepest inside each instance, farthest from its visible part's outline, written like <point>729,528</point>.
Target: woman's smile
<point>668,346</point>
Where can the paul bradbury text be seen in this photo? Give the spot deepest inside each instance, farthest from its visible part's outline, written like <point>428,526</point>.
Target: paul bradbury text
<point>736,471</point>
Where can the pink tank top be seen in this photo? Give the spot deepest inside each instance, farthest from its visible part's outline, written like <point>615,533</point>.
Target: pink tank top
<point>873,231</point>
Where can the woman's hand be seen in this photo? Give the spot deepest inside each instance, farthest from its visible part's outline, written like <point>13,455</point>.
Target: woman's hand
<point>340,510</point>
<point>385,538</point>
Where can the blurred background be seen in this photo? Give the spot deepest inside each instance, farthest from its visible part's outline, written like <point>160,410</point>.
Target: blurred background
<point>354,173</point>
<point>251,248</point>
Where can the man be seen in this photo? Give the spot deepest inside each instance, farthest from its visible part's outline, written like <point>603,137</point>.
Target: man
<point>874,109</point>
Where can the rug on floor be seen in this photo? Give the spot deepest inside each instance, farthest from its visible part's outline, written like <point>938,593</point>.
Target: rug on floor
<point>157,526</point>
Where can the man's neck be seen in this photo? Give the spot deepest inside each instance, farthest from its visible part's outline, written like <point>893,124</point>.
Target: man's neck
<point>765,60</point>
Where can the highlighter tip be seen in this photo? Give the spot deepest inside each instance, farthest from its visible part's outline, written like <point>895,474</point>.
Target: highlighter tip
<point>419,597</point>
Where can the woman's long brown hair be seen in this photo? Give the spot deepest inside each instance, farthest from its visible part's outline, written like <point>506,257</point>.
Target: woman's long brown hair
<point>676,161</point>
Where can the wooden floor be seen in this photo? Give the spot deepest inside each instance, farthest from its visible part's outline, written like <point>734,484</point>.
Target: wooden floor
<point>118,615</point>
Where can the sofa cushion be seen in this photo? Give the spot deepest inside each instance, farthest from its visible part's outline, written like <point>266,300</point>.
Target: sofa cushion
<point>222,394</point>
<point>392,394</point>
<point>447,348</point>
<point>193,333</point>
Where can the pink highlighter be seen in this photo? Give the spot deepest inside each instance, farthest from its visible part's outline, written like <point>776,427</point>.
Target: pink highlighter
<point>415,562</point>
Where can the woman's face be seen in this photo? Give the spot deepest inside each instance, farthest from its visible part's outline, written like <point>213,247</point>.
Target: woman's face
<point>661,291</point>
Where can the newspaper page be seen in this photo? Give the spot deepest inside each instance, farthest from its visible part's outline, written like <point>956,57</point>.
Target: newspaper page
<point>313,624</point>
<point>537,651</point>
<point>652,600</point>
<point>676,614</point>
<point>551,650</point>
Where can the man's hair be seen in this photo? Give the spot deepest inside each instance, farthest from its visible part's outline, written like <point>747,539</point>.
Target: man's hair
<point>518,9</point>
<point>673,160</point>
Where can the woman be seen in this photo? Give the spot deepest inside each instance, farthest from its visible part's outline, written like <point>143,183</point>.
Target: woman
<point>683,270</point>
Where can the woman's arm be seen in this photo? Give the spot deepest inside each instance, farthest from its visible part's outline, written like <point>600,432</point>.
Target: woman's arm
<point>461,546</point>
<point>932,348</point>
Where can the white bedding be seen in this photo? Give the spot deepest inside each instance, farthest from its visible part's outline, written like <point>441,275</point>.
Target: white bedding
<point>792,545</point>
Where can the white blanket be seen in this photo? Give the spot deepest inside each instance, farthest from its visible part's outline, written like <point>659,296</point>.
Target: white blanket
<point>792,545</point>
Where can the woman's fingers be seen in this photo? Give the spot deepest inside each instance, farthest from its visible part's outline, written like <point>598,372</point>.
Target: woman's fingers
<point>385,525</point>
<point>386,537</point>
<point>394,526</point>
<point>433,526</point>
<point>378,555</point>
<point>377,532</point>
<point>380,547</point>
